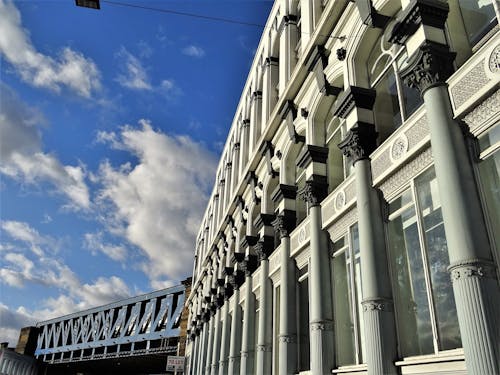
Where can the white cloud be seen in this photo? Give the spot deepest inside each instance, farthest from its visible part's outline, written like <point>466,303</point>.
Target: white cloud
<point>95,243</point>
<point>21,231</point>
<point>157,204</point>
<point>133,75</point>
<point>22,158</point>
<point>70,69</point>
<point>193,51</point>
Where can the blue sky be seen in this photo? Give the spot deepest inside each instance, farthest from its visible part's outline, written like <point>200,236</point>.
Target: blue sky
<point>111,125</point>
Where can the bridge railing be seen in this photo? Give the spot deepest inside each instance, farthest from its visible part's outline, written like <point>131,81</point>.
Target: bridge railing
<point>135,326</point>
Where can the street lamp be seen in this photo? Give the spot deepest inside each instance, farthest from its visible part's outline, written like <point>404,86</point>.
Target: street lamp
<point>94,4</point>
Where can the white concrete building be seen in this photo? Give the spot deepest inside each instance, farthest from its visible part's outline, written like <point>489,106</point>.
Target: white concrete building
<point>354,226</point>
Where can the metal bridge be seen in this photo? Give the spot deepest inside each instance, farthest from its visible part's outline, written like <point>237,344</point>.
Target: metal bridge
<point>146,325</point>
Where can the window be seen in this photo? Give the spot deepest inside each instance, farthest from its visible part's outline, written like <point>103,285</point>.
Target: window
<point>479,17</point>
<point>426,315</point>
<point>347,296</point>
<point>489,173</point>
<point>303,320</point>
<point>276,328</point>
<point>338,166</point>
<point>395,101</point>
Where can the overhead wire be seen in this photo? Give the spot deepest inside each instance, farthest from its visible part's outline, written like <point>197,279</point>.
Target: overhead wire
<point>205,17</point>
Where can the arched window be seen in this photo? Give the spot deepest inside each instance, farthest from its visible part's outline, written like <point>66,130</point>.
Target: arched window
<point>395,101</point>
<point>339,167</point>
<point>479,17</point>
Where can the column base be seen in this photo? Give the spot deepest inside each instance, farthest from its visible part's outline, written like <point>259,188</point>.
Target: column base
<point>476,295</point>
<point>321,348</point>
<point>380,335</point>
<point>287,354</point>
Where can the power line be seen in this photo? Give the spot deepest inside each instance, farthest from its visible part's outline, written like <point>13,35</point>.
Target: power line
<point>202,16</point>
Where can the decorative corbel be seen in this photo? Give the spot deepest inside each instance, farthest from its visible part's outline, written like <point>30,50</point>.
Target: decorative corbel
<point>288,113</point>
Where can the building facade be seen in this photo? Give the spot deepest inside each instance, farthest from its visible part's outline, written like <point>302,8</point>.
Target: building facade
<point>354,225</point>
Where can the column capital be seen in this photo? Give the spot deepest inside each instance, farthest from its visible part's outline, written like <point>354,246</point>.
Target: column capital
<point>256,95</point>
<point>271,60</point>
<point>354,97</point>
<point>264,247</point>
<point>418,13</point>
<point>315,190</point>
<point>263,220</point>
<point>283,191</point>
<point>245,123</point>
<point>430,66</point>
<point>249,265</point>
<point>284,223</point>
<point>312,154</point>
<point>360,142</point>
<point>248,241</point>
<point>236,146</point>
<point>237,279</point>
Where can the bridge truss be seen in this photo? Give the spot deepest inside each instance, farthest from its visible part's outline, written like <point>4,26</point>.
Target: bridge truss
<point>142,325</point>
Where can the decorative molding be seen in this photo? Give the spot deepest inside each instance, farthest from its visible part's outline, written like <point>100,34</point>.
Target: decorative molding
<point>431,66</point>
<point>284,223</point>
<point>405,174</point>
<point>315,190</point>
<point>476,268</point>
<point>283,191</point>
<point>419,12</point>
<point>377,304</point>
<point>339,227</point>
<point>484,112</point>
<point>340,200</point>
<point>399,147</point>
<point>264,348</point>
<point>354,97</point>
<point>289,339</point>
<point>321,325</point>
<point>360,142</point>
<point>470,84</point>
<point>494,60</point>
<point>264,247</point>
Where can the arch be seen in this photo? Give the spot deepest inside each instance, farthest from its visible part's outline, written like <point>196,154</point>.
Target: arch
<point>253,212</point>
<point>269,184</point>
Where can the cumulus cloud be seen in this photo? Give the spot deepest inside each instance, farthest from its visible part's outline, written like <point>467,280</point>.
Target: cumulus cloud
<point>22,157</point>
<point>21,231</point>
<point>193,51</point>
<point>70,69</point>
<point>157,204</point>
<point>20,269</point>
<point>95,243</point>
<point>133,75</point>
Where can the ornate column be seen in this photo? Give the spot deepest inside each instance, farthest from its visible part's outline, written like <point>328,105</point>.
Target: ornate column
<point>224,342</point>
<point>256,119</point>
<point>249,264</point>
<point>263,249</point>
<point>227,193</point>
<point>284,198</point>
<point>287,31</point>
<point>270,93</point>
<point>378,309</point>
<point>472,269</point>
<point>202,356</point>
<point>236,278</point>
<point>245,140</point>
<point>235,171</point>
<point>320,307</point>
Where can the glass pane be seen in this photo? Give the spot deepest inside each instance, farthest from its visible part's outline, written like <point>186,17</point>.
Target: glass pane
<point>358,292</point>
<point>386,108</point>
<point>344,324</point>
<point>490,138</point>
<point>335,162</point>
<point>276,328</point>
<point>478,16</point>
<point>412,100</point>
<point>437,254</point>
<point>304,364</point>
<point>489,171</point>
<point>401,201</point>
<point>339,244</point>
<point>412,308</point>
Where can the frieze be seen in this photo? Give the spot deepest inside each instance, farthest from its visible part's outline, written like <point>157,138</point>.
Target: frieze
<point>484,112</point>
<point>494,60</point>
<point>406,173</point>
<point>471,83</point>
<point>339,227</point>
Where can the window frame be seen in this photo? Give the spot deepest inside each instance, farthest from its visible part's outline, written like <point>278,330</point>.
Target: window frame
<point>414,203</point>
<point>353,286</point>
